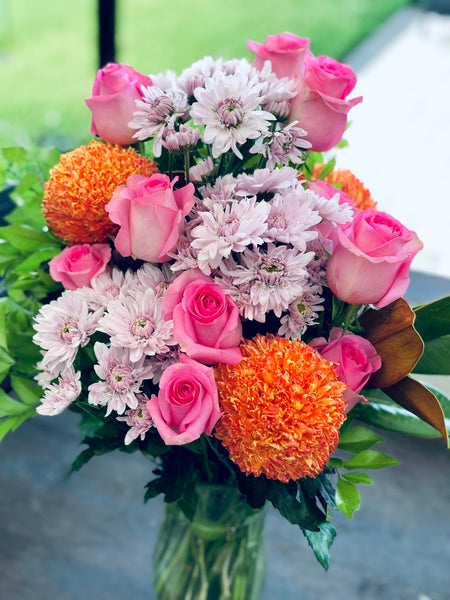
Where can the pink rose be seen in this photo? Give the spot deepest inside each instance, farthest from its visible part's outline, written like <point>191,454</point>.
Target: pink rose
<point>113,102</point>
<point>187,404</point>
<point>206,321</point>
<point>371,259</point>
<point>285,51</point>
<point>355,357</point>
<point>320,106</point>
<point>75,266</point>
<point>150,214</point>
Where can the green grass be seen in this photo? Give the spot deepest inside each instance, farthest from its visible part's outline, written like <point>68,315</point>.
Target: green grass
<point>48,50</point>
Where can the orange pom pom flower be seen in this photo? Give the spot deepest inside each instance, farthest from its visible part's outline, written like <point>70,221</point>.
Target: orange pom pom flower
<point>82,183</point>
<point>350,185</point>
<point>283,407</point>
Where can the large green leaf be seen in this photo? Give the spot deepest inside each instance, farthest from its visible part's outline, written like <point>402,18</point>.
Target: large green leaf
<point>435,359</point>
<point>433,320</point>
<point>347,497</point>
<point>358,438</point>
<point>320,542</point>
<point>25,239</point>
<point>12,413</point>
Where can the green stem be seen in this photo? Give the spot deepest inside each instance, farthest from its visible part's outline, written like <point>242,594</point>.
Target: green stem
<point>350,314</point>
<point>186,155</point>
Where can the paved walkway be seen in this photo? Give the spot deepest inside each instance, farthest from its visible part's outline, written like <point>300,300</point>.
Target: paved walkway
<point>399,137</point>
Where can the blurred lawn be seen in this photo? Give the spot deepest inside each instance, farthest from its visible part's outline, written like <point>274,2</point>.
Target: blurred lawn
<point>48,50</point>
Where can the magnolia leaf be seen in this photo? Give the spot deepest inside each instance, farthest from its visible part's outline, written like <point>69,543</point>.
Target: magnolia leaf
<point>370,459</point>
<point>435,359</point>
<point>347,497</point>
<point>358,438</point>
<point>320,542</point>
<point>419,400</point>
<point>391,331</point>
<point>433,320</point>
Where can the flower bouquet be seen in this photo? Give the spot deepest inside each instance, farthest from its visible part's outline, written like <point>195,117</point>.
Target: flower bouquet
<point>202,285</point>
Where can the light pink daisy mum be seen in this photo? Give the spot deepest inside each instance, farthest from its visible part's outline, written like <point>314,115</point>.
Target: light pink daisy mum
<point>229,108</point>
<point>58,396</point>
<point>302,313</point>
<point>137,323</point>
<point>62,327</point>
<point>121,378</point>
<point>265,182</point>
<point>138,420</point>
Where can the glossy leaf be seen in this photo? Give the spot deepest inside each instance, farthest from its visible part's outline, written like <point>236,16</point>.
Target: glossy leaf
<point>321,541</point>
<point>391,331</point>
<point>419,400</point>
<point>433,319</point>
<point>347,497</point>
<point>358,478</point>
<point>435,359</point>
<point>6,362</point>
<point>358,438</point>
<point>370,459</point>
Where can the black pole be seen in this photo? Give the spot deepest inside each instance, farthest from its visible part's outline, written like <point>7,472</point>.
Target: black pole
<point>106,31</point>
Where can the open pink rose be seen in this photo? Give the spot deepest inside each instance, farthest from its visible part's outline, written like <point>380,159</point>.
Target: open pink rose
<point>371,259</point>
<point>321,104</point>
<point>355,357</point>
<point>150,214</point>
<point>285,51</point>
<point>206,321</point>
<point>113,102</point>
<point>187,404</point>
<point>75,266</point>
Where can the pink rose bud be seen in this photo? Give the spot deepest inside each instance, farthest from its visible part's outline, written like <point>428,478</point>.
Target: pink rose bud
<point>113,102</point>
<point>206,321</point>
<point>355,360</point>
<point>187,404</point>
<point>321,104</point>
<point>75,266</point>
<point>285,51</point>
<point>371,259</point>
<point>151,216</point>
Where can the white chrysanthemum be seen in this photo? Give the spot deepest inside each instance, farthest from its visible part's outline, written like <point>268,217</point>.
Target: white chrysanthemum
<point>284,146</point>
<point>138,420</point>
<point>58,396</point>
<point>229,107</point>
<point>137,323</point>
<point>265,182</point>
<point>62,327</point>
<point>228,228</point>
<point>106,287</point>
<point>167,82</point>
<point>330,210</point>
<point>157,279</point>
<point>221,191</point>
<point>277,92</point>
<point>201,171</point>
<point>302,313</point>
<point>196,75</point>
<point>291,219</point>
<point>121,379</point>
<point>275,278</point>
<point>158,110</point>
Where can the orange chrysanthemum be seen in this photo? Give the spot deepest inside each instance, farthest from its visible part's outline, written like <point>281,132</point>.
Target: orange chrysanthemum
<point>283,407</point>
<point>80,186</point>
<point>350,185</point>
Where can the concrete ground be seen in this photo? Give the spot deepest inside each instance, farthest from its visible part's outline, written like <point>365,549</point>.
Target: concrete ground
<point>91,536</point>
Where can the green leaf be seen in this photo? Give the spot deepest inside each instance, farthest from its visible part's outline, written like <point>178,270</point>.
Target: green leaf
<point>25,184</point>
<point>357,478</point>
<point>370,459</point>
<point>6,362</point>
<point>32,262</point>
<point>26,240</point>
<point>382,412</point>
<point>12,413</point>
<point>15,154</point>
<point>335,463</point>
<point>27,390</point>
<point>347,497</point>
<point>321,541</point>
<point>283,496</point>
<point>433,320</point>
<point>84,457</point>
<point>435,359</point>
<point>327,168</point>
<point>358,438</point>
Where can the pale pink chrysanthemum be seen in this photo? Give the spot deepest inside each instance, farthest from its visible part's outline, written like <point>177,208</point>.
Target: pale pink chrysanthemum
<point>265,182</point>
<point>121,378</point>
<point>186,256</point>
<point>222,191</point>
<point>330,209</point>
<point>137,323</point>
<point>284,146</point>
<point>276,276</point>
<point>229,108</point>
<point>160,362</point>
<point>157,279</point>
<point>158,110</point>
<point>62,327</point>
<point>229,228</point>
<point>197,74</point>
<point>138,420</point>
<point>167,81</point>
<point>277,92</point>
<point>302,313</point>
<point>106,287</point>
<point>241,295</point>
<point>185,138</point>
<point>201,172</point>
<point>58,396</point>
<point>292,219</point>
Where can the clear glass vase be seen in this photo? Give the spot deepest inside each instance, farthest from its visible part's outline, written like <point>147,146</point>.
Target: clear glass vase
<point>219,555</point>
